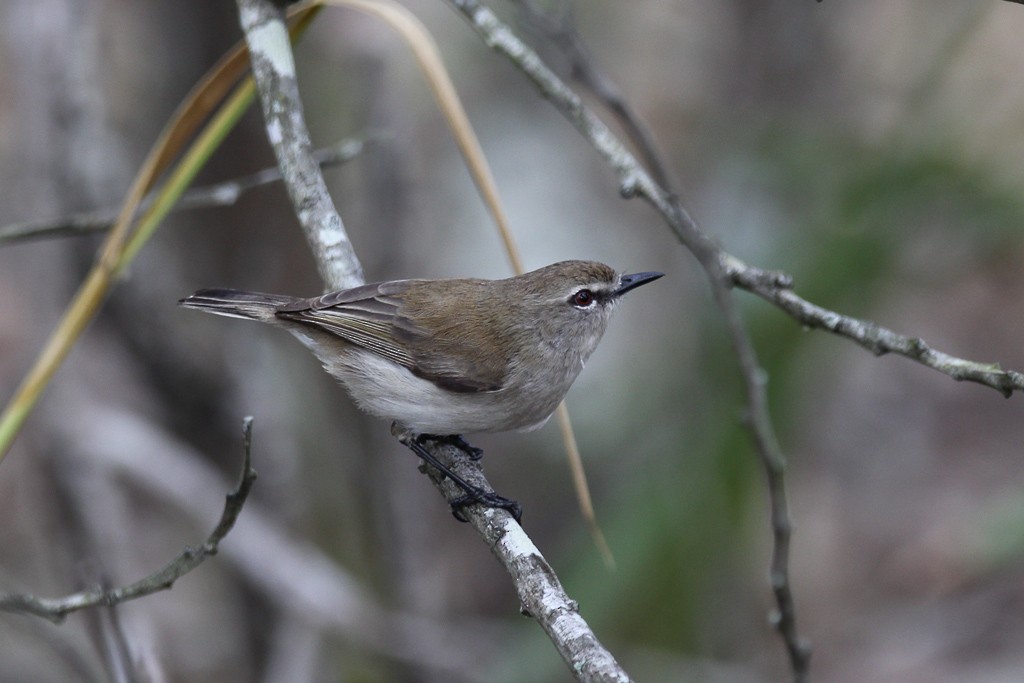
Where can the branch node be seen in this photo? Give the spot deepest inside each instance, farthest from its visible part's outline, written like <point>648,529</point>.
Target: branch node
<point>629,186</point>
<point>918,347</point>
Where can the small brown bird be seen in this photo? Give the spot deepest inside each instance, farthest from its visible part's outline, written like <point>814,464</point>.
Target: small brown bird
<point>445,357</point>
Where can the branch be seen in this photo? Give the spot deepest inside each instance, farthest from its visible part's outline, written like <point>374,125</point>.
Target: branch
<point>561,31</point>
<point>771,285</point>
<point>634,180</point>
<point>541,595</point>
<point>536,583</point>
<point>273,68</point>
<point>56,609</point>
<point>209,196</point>
<point>776,288</point>
<point>295,577</point>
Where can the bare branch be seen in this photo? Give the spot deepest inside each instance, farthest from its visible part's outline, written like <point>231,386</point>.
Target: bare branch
<point>209,196</point>
<point>541,594</point>
<point>291,573</point>
<point>777,288</point>
<point>56,609</point>
<point>273,67</point>
<point>536,583</point>
<point>634,180</point>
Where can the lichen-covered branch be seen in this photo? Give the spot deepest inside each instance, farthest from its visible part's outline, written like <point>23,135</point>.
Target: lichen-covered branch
<point>273,68</point>
<point>541,594</point>
<point>537,585</point>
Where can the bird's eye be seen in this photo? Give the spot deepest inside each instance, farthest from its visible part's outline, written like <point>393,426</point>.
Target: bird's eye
<point>583,298</point>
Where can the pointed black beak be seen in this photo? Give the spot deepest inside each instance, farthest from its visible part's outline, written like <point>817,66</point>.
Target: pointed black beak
<point>628,282</point>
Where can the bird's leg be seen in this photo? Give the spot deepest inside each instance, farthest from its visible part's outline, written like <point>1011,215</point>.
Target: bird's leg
<point>473,494</point>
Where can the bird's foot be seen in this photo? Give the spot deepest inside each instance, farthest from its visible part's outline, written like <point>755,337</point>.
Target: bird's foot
<point>472,495</point>
<point>491,500</point>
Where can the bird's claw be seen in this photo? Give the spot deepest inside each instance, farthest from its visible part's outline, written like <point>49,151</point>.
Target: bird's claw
<point>491,500</point>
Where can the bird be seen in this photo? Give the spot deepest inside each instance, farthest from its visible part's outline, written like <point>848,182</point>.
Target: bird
<point>445,357</point>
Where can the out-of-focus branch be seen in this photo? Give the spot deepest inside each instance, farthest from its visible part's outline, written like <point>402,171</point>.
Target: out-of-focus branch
<point>56,609</point>
<point>219,194</point>
<point>301,582</point>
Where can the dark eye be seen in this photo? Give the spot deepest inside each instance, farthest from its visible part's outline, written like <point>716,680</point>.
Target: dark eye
<point>583,298</point>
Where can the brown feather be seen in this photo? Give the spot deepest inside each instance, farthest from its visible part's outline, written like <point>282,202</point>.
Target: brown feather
<point>378,317</point>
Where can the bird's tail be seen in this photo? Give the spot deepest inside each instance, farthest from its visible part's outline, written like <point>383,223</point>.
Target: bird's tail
<point>236,304</point>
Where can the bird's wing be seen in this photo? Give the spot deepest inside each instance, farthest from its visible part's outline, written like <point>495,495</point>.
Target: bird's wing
<point>370,317</point>
<point>362,316</point>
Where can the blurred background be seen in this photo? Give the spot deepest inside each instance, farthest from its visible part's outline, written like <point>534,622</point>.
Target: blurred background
<point>872,149</point>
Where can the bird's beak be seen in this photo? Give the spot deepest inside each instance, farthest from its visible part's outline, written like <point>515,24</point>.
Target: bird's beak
<point>628,282</point>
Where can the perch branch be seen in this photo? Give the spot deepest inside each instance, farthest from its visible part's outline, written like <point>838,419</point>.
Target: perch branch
<point>56,609</point>
<point>541,595</point>
<point>535,581</point>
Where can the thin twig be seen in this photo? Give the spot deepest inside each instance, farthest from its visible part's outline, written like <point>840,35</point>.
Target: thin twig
<point>776,287</point>
<point>297,579</point>
<point>219,194</point>
<point>56,609</point>
<point>634,180</point>
<point>561,31</point>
